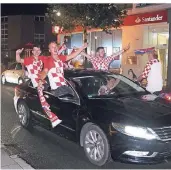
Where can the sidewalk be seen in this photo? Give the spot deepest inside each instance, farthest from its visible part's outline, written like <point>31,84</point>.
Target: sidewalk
<point>12,162</point>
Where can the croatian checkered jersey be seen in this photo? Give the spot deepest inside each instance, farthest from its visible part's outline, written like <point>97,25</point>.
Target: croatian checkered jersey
<point>56,71</point>
<point>102,63</point>
<point>34,68</point>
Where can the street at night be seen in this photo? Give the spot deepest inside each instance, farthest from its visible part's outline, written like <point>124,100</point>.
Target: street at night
<point>86,86</point>
<point>41,148</point>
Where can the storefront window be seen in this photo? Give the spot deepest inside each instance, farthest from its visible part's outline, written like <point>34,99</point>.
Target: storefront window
<point>158,37</point>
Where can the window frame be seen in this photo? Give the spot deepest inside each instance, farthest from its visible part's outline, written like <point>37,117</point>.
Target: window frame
<point>38,18</point>
<point>75,100</point>
<point>4,35</point>
<point>38,37</point>
<point>4,19</point>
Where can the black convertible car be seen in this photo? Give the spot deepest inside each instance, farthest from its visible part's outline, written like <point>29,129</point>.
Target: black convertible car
<point>125,123</point>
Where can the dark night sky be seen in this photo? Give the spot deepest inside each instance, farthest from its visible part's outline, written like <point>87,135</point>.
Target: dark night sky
<point>27,9</point>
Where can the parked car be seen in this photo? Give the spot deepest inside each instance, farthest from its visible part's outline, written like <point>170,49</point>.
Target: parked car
<point>127,124</point>
<point>14,74</point>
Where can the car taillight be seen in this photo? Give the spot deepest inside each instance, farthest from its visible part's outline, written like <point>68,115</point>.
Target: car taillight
<point>168,97</point>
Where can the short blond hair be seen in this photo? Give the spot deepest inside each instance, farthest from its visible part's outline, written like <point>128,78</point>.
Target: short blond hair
<point>53,42</point>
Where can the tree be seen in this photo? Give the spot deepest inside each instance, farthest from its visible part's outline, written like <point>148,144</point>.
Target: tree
<point>102,16</point>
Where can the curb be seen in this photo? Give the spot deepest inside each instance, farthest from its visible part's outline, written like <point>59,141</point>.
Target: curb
<point>18,161</point>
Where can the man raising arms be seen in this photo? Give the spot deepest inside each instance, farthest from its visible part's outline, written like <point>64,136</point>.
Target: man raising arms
<point>99,61</point>
<point>53,68</point>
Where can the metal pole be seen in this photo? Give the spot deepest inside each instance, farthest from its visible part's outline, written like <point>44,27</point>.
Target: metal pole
<point>169,61</point>
<point>169,53</point>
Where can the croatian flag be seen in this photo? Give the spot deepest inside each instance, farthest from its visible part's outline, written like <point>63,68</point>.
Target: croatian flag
<point>143,51</point>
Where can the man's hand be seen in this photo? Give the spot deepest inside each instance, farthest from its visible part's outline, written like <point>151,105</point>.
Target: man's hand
<point>127,47</point>
<point>40,83</point>
<point>18,58</point>
<point>19,51</point>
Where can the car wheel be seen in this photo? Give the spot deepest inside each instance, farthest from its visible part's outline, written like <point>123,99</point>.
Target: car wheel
<point>3,79</point>
<point>96,146</point>
<point>24,115</point>
<point>20,81</point>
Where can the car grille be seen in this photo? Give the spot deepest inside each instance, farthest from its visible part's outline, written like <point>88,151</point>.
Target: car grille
<point>164,133</point>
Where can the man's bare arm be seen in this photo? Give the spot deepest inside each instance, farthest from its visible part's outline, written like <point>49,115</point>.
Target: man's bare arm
<point>74,54</point>
<point>85,55</point>
<point>120,52</point>
<point>18,58</point>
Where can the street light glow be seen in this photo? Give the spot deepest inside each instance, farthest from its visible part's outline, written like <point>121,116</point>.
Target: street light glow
<point>58,14</point>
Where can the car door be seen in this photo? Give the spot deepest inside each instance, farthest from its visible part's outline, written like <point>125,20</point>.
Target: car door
<point>9,73</point>
<point>66,108</point>
<point>34,104</point>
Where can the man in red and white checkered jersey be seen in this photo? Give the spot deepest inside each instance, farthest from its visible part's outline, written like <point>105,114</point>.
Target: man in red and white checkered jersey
<point>99,61</point>
<point>153,73</point>
<point>54,69</point>
<point>34,65</point>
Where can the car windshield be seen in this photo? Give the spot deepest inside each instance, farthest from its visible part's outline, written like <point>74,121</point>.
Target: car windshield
<point>107,85</point>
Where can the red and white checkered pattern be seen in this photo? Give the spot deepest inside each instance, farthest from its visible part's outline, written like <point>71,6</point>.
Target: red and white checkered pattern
<point>147,68</point>
<point>43,102</point>
<point>34,70</point>
<point>102,63</point>
<point>46,107</point>
<point>56,75</point>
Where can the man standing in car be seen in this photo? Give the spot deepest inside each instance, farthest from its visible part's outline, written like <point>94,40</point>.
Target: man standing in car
<point>34,65</point>
<point>54,68</point>
<point>99,61</point>
<point>153,73</point>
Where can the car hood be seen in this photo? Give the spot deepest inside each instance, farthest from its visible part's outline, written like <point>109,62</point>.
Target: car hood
<point>134,110</point>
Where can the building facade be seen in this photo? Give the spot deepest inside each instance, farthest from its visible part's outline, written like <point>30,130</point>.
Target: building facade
<point>144,29</point>
<point>145,26</point>
<point>17,30</point>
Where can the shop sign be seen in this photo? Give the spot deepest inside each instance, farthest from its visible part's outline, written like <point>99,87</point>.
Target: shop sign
<point>155,17</point>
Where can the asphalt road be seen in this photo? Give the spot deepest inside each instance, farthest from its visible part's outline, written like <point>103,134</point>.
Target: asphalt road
<point>44,150</point>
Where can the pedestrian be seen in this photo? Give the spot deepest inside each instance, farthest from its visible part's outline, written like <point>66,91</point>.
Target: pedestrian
<point>99,61</point>
<point>34,65</point>
<point>152,72</point>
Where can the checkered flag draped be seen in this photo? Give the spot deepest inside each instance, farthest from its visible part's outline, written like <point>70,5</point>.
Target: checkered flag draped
<point>34,71</point>
<point>45,105</point>
<point>56,75</point>
<point>147,68</point>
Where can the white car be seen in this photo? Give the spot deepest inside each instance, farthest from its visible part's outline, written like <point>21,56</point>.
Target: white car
<point>15,74</point>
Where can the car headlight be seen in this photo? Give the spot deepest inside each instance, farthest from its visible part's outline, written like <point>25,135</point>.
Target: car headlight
<point>135,131</point>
